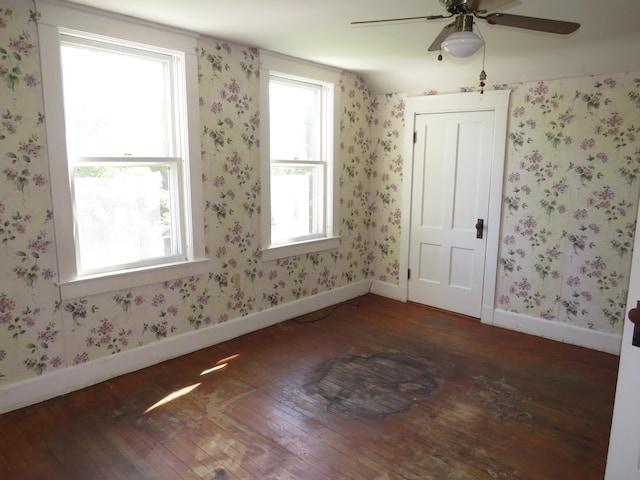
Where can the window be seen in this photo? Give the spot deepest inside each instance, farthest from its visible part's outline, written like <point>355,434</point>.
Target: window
<point>299,157</point>
<point>124,168</point>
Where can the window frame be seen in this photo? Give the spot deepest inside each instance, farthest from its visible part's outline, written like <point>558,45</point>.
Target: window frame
<point>55,20</point>
<point>329,78</point>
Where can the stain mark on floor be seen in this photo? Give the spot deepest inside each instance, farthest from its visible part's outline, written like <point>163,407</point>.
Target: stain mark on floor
<point>374,386</point>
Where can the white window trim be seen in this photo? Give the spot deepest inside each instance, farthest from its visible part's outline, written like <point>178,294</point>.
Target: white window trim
<point>54,17</point>
<point>302,70</point>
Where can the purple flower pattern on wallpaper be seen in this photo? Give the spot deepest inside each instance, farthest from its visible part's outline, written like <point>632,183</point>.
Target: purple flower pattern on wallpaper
<point>31,332</point>
<point>384,167</point>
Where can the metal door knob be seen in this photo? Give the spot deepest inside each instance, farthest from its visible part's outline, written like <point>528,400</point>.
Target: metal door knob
<point>480,228</point>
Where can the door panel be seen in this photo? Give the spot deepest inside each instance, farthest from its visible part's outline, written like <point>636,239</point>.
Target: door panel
<point>450,192</point>
<point>461,275</point>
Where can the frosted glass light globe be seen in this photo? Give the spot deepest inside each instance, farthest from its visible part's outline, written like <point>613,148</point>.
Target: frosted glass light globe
<point>462,44</point>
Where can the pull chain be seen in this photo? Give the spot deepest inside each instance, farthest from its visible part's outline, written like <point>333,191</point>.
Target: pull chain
<point>483,74</point>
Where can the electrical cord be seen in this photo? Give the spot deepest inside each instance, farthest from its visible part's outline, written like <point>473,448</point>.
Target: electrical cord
<point>335,307</point>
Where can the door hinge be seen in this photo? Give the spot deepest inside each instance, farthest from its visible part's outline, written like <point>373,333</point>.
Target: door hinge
<point>415,137</point>
<point>409,274</point>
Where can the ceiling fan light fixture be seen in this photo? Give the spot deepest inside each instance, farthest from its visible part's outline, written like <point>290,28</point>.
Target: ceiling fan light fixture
<point>462,44</point>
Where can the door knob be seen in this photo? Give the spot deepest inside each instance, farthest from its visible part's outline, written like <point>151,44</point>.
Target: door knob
<point>480,228</point>
<point>634,316</point>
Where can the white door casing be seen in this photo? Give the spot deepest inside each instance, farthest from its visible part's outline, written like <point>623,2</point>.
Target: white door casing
<point>496,102</point>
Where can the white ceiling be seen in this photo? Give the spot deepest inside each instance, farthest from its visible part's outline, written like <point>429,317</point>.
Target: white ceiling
<point>393,57</point>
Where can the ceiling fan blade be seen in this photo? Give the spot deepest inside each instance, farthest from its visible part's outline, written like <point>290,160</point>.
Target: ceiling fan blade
<point>485,5</point>
<point>532,23</point>
<point>444,33</point>
<point>405,19</point>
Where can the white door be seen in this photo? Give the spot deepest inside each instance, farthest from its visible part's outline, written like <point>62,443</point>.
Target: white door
<point>623,461</point>
<point>453,155</point>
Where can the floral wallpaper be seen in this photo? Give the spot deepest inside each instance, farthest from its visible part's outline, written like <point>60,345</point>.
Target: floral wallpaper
<point>571,193</point>
<point>386,163</point>
<point>571,197</point>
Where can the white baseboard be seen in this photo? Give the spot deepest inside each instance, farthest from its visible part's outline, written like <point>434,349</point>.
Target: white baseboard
<point>21,394</point>
<point>583,337</point>
<point>389,290</point>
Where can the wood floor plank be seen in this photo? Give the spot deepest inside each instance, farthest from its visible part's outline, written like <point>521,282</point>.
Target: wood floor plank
<point>257,454</point>
<point>254,413</point>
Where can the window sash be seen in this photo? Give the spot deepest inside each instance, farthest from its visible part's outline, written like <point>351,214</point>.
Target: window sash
<point>297,94</point>
<point>317,156</point>
<point>175,206</point>
<point>173,132</point>
<point>284,199</point>
<point>173,102</point>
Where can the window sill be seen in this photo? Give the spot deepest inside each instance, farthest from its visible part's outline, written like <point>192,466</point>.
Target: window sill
<point>302,248</point>
<point>111,282</point>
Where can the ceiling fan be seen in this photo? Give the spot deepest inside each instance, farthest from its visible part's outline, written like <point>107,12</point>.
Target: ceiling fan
<point>458,37</point>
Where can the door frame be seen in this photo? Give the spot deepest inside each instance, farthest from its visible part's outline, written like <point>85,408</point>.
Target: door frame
<point>497,101</point>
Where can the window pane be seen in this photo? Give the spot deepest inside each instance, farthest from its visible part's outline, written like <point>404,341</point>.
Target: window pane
<point>116,103</point>
<point>295,202</point>
<point>124,214</point>
<point>294,120</point>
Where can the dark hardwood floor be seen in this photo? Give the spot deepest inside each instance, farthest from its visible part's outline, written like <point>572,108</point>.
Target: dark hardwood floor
<point>370,389</point>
